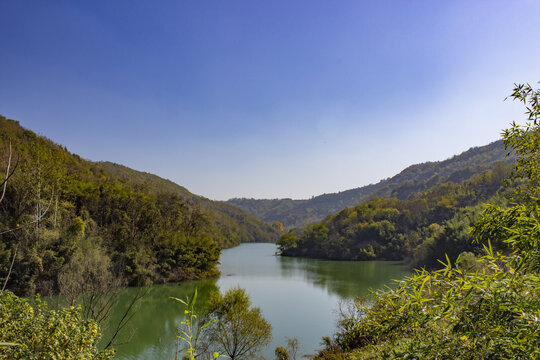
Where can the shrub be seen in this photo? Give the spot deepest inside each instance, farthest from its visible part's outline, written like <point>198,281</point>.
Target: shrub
<point>40,333</point>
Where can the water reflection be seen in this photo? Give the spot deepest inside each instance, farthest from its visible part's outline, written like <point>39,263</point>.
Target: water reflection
<point>344,278</point>
<point>151,333</point>
<point>297,296</point>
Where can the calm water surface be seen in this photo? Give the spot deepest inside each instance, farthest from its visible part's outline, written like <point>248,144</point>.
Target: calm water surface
<point>299,297</point>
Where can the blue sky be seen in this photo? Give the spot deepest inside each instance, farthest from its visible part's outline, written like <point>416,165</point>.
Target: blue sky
<point>267,99</point>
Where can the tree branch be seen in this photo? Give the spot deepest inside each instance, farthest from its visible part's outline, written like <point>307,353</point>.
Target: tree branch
<point>10,268</point>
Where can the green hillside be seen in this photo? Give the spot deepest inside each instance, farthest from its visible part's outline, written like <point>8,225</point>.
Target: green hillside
<point>480,306</point>
<point>414,179</point>
<point>154,182</point>
<point>421,229</point>
<point>239,225</point>
<point>64,219</point>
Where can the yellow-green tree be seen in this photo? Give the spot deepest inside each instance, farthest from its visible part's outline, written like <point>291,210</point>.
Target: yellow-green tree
<point>39,333</point>
<point>238,329</point>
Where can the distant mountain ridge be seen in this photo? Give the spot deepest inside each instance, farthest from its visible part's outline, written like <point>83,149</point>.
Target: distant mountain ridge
<point>415,178</point>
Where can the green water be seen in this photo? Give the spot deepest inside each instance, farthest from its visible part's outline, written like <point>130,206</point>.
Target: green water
<point>298,296</point>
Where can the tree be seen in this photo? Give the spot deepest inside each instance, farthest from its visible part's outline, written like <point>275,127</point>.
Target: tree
<point>288,353</point>
<point>278,225</point>
<point>292,347</point>
<point>87,280</point>
<point>238,330</point>
<point>518,226</point>
<point>281,353</point>
<point>4,183</point>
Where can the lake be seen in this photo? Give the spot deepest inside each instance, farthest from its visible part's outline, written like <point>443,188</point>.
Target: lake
<point>299,297</point>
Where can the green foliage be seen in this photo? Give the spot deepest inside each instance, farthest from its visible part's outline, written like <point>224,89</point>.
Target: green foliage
<point>230,325</point>
<point>87,272</point>
<point>518,225</point>
<point>76,230</point>
<point>288,353</point>
<point>292,347</point>
<point>420,229</point>
<point>40,333</point>
<point>190,330</point>
<point>281,353</point>
<point>237,329</point>
<point>486,308</point>
<point>451,313</point>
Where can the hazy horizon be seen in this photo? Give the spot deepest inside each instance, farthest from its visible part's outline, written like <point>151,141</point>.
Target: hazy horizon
<point>269,99</point>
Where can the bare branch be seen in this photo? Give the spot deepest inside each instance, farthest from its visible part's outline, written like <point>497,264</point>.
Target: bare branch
<point>42,215</point>
<point>9,272</point>
<point>7,173</point>
<point>126,317</point>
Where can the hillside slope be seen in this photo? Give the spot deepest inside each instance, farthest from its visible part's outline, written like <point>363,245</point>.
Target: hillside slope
<point>414,179</point>
<point>66,222</point>
<point>242,226</point>
<point>421,229</point>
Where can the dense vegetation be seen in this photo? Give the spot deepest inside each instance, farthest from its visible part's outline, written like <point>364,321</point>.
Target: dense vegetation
<point>35,332</point>
<point>422,228</point>
<point>412,180</point>
<point>235,225</point>
<point>486,308</point>
<point>64,219</point>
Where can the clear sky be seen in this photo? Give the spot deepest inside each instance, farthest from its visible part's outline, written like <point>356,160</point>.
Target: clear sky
<point>267,99</point>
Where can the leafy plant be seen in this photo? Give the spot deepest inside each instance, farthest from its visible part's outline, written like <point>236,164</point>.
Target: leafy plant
<point>189,329</point>
<point>35,332</point>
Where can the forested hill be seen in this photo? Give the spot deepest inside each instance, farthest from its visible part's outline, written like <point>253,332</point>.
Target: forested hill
<point>421,229</point>
<point>414,179</point>
<point>243,225</point>
<point>64,217</point>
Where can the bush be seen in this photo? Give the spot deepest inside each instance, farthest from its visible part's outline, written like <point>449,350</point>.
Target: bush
<point>451,313</point>
<point>40,333</point>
